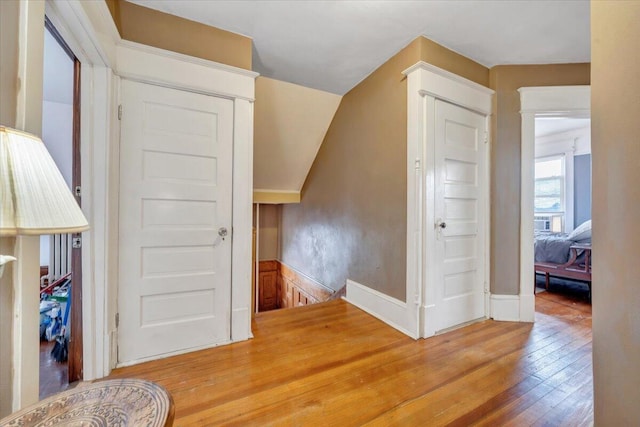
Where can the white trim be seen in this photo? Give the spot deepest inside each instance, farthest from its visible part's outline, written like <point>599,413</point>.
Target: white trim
<point>25,354</point>
<point>152,65</point>
<point>242,230</point>
<point>99,281</point>
<point>186,59</point>
<point>505,307</point>
<point>432,69</point>
<point>453,88</point>
<point>71,19</point>
<point>390,310</point>
<point>425,84</point>
<point>527,208</point>
<point>527,307</point>
<point>487,223</point>
<point>556,101</point>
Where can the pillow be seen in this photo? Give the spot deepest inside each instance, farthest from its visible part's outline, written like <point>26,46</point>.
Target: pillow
<point>582,232</point>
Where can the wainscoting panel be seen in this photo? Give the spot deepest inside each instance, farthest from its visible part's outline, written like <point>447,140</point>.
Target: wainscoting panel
<point>280,286</point>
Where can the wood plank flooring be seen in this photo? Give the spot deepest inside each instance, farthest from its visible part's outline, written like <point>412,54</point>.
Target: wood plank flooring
<point>333,365</point>
<point>54,376</point>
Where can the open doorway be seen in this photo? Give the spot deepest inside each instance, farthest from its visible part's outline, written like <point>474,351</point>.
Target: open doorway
<point>562,206</point>
<point>539,102</point>
<point>60,257</point>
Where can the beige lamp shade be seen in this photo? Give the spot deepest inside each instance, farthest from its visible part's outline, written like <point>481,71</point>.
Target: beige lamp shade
<point>34,197</point>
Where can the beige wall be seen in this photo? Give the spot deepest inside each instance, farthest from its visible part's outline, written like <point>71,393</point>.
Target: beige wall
<point>147,26</point>
<point>435,54</point>
<point>268,236</point>
<point>351,222</point>
<point>505,161</point>
<point>8,94</point>
<point>615,135</point>
<point>8,61</point>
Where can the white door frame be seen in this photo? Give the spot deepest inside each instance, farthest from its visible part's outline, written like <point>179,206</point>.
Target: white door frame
<point>89,30</point>
<point>546,101</point>
<point>426,83</point>
<point>72,21</point>
<point>160,67</point>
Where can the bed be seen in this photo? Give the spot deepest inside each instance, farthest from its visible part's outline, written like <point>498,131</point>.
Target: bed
<point>567,256</point>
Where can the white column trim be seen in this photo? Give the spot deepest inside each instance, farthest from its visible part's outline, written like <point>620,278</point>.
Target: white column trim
<point>25,345</point>
<point>547,101</point>
<point>242,220</point>
<point>527,171</point>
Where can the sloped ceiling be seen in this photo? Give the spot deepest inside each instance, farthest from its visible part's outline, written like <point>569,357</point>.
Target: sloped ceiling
<point>290,122</point>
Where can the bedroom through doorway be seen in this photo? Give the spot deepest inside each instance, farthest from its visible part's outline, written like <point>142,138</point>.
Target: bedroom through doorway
<point>562,207</point>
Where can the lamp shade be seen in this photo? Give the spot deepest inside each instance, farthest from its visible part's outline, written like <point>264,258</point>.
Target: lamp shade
<point>34,197</point>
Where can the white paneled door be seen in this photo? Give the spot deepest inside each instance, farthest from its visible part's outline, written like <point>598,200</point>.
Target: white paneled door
<point>460,165</point>
<point>175,221</point>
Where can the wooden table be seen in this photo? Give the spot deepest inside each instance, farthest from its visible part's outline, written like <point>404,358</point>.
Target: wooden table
<point>123,402</point>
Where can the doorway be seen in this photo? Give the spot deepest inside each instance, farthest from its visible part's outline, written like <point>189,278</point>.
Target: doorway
<point>562,206</point>
<point>539,102</point>
<point>60,255</point>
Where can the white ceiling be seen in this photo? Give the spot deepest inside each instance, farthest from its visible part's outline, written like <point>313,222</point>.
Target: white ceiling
<point>333,45</point>
<point>551,125</point>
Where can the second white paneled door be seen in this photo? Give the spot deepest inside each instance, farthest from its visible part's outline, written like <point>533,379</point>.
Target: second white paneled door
<point>175,221</point>
<point>460,171</point>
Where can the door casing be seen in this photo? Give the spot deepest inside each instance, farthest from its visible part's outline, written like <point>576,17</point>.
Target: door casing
<point>426,83</point>
<point>546,101</point>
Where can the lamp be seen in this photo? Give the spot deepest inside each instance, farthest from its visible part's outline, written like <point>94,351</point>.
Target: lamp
<point>34,197</point>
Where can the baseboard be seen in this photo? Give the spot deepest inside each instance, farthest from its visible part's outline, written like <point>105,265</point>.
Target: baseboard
<point>527,308</point>
<point>505,308</point>
<point>240,324</point>
<point>388,309</point>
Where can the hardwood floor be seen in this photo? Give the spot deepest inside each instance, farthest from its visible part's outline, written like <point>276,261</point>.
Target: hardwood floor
<point>332,364</point>
<point>54,376</point>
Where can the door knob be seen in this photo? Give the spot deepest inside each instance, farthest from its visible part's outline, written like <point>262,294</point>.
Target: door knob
<point>442,224</point>
<point>222,231</point>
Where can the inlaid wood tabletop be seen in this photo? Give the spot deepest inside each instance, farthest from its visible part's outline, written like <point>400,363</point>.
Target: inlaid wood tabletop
<point>111,403</point>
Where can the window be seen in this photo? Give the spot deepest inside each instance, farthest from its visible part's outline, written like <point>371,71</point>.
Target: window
<point>550,184</point>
